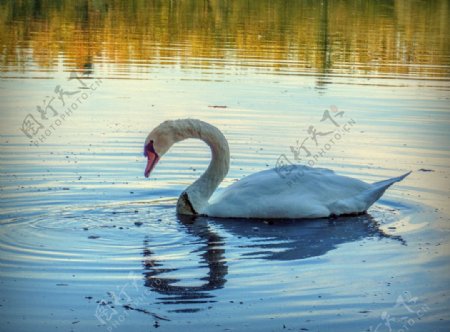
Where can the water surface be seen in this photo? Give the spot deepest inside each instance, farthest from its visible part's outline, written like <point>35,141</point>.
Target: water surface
<point>87,243</point>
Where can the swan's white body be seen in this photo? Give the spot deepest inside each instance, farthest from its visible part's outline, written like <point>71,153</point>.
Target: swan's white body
<point>316,193</point>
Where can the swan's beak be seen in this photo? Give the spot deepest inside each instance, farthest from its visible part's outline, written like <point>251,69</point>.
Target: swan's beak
<point>152,160</point>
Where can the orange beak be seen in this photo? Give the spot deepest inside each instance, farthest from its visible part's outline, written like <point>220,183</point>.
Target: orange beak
<point>152,159</point>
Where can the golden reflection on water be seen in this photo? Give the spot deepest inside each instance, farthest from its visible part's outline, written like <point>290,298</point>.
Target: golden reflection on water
<point>383,38</point>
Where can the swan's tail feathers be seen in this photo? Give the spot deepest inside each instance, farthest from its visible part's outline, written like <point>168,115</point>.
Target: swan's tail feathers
<point>362,201</point>
<point>389,182</point>
<point>377,189</point>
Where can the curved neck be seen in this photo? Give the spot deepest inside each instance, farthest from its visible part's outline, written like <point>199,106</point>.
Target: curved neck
<point>201,190</point>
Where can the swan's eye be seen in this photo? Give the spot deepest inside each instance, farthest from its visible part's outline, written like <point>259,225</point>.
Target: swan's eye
<point>149,148</point>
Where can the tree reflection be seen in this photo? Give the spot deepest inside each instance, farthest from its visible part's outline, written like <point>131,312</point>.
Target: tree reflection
<point>339,37</point>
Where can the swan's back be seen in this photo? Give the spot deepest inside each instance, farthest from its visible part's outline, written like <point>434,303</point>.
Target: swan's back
<point>313,194</point>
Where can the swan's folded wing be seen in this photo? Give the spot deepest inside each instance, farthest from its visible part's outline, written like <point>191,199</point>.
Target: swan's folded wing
<point>267,195</point>
<point>316,193</point>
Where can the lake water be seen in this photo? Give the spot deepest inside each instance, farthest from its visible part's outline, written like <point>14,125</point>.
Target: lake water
<point>87,243</point>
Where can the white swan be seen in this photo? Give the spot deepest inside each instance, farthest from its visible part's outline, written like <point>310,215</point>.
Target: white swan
<point>317,193</point>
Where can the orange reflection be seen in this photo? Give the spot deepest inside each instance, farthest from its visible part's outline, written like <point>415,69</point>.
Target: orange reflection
<point>400,37</point>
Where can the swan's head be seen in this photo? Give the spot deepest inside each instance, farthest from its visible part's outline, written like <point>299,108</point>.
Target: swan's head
<point>158,142</point>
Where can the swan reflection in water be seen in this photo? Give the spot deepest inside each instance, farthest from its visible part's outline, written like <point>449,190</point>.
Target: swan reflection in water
<point>274,240</point>
<point>212,252</point>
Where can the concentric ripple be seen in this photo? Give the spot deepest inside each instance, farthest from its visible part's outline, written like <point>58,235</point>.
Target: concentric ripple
<point>180,260</point>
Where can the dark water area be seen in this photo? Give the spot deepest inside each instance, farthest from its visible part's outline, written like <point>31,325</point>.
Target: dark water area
<point>87,243</point>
